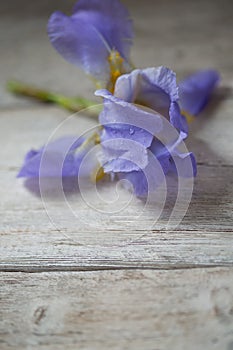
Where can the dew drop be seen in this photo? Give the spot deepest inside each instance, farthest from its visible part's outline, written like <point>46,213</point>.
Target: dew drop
<point>131,131</point>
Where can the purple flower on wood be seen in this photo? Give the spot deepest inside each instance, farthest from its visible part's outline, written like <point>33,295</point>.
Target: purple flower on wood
<point>60,158</point>
<point>97,37</point>
<point>141,121</point>
<point>145,113</point>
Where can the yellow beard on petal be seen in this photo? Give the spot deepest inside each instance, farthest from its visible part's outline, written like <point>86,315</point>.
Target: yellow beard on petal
<point>189,117</point>
<point>98,174</point>
<point>116,69</point>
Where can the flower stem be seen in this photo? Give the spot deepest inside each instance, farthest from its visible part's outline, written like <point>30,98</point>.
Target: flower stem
<point>72,104</point>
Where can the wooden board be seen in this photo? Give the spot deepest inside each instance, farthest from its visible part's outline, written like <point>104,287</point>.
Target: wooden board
<point>77,277</point>
<point>153,310</point>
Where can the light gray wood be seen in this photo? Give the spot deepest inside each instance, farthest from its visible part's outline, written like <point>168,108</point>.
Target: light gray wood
<point>121,281</point>
<point>111,250</point>
<point>149,310</point>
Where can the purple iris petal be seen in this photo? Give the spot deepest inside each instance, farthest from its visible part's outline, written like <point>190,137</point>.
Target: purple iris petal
<point>154,88</point>
<point>88,36</point>
<point>184,164</point>
<point>128,132</point>
<point>177,119</point>
<point>150,178</point>
<point>143,110</point>
<point>196,90</point>
<point>57,159</point>
<point>161,160</point>
<point>111,19</point>
<point>125,120</point>
<point>122,155</point>
<point>155,85</point>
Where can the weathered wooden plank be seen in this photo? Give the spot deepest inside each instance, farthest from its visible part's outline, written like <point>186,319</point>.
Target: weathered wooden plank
<point>210,208</point>
<point>59,251</point>
<point>150,310</point>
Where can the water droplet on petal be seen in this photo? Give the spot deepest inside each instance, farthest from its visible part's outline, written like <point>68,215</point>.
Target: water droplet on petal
<point>131,131</point>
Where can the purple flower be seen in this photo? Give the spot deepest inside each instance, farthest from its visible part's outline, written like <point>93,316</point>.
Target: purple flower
<point>196,90</point>
<point>142,135</point>
<point>155,88</point>
<point>144,129</point>
<point>60,158</point>
<point>97,37</point>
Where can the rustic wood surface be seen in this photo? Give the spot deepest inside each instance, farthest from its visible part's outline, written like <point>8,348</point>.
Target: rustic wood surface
<point>184,309</point>
<point>84,279</point>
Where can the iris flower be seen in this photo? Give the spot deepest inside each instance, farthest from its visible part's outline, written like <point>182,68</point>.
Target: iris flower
<point>145,103</point>
<point>137,121</point>
<point>125,118</point>
<point>97,37</point>
<point>145,115</point>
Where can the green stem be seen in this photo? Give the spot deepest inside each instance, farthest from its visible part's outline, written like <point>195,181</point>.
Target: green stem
<point>72,104</point>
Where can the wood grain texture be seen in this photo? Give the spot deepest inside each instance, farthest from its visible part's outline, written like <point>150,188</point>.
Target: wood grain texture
<point>89,251</point>
<point>150,310</point>
<point>73,277</point>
